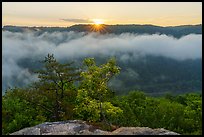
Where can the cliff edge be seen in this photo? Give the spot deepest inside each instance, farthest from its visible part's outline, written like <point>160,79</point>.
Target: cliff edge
<point>78,127</point>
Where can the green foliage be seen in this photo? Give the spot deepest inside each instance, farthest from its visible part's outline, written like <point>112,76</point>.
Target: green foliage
<point>182,113</point>
<point>18,113</point>
<point>110,111</point>
<point>56,95</point>
<point>92,98</point>
<point>56,80</point>
<point>52,98</point>
<point>87,108</point>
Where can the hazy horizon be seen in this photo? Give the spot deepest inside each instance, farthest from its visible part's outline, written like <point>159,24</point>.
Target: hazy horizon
<point>103,24</point>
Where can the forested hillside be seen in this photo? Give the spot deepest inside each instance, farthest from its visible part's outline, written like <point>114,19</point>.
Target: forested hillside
<point>175,31</point>
<point>155,75</point>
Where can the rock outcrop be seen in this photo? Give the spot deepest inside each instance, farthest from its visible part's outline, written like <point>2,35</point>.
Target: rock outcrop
<point>78,127</point>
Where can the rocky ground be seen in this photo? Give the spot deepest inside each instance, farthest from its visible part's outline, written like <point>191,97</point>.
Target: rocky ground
<point>78,127</point>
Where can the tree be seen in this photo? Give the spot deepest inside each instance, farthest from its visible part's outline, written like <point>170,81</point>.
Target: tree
<point>93,92</point>
<point>55,79</point>
<point>18,113</point>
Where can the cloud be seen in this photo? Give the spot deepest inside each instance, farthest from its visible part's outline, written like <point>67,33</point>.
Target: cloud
<point>77,20</point>
<point>71,45</point>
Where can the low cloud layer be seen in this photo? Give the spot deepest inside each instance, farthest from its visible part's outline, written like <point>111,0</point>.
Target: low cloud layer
<point>19,46</point>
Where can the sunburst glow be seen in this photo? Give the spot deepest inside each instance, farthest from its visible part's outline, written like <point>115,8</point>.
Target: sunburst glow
<point>98,26</point>
<point>98,21</point>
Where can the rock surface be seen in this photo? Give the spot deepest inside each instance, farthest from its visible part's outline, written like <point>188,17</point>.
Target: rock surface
<point>78,127</point>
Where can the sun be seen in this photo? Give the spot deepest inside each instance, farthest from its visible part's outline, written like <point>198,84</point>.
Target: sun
<point>98,21</point>
<point>98,26</point>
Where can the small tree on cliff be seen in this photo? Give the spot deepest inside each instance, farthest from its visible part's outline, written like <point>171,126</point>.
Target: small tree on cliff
<point>93,92</point>
<point>55,79</point>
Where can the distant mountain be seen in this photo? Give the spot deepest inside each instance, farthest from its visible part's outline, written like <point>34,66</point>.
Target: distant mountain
<point>157,75</point>
<point>176,31</point>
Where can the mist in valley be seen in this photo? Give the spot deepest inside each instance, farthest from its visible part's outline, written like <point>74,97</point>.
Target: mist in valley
<point>22,51</point>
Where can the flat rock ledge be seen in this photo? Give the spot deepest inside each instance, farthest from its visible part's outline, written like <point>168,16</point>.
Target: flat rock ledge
<point>78,127</point>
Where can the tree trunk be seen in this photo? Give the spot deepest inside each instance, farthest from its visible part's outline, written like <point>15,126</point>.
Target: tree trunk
<point>102,116</point>
<point>100,107</point>
<point>62,93</point>
<point>56,107</point>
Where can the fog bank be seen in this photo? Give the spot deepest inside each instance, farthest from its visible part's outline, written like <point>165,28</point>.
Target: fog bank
<point>28,45</point>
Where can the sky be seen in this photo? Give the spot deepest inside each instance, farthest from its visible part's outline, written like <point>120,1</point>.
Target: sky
<point>63,14</point>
